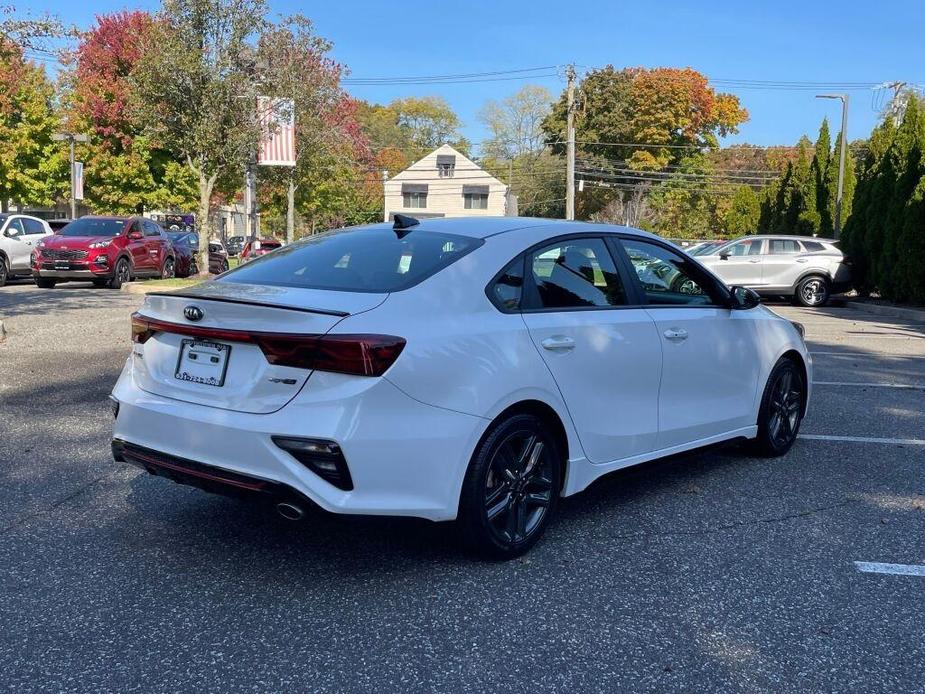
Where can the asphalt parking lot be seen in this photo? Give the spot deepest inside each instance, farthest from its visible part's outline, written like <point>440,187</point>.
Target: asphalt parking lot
<point>712,571</point>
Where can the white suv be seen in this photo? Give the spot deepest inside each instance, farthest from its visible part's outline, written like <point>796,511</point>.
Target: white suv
<point>19,234</point>
<point>807,269</point>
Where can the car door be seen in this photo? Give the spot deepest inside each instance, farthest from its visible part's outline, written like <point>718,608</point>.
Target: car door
<point>781,263</point>
<point>603,353</point>
<point>138,248</point>
<point>709,365</point>
<point>738,263</point>
<point>18,245</point>
<point>156,244</point>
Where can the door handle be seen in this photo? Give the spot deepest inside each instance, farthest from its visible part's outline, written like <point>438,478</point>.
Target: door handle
<point>676,334</point>
<point>802,260</point>
<point>755,260</point>
<point>558,343</point>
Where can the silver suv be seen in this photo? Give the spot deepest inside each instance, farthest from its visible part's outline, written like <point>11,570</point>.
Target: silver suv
<point>807,269</point>
<point>19,234</point>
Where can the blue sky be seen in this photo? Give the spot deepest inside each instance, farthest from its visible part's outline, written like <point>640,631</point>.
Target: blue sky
<point>813,40</point>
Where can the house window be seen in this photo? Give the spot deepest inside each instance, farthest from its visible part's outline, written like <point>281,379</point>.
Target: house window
<point>414,195</point>
<point>476,201</point>
<point>414,199</point>
<point>475,197</point>
<point>446,165</point>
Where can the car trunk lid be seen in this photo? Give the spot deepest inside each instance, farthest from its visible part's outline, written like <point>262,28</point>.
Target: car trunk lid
<point>208,344</point>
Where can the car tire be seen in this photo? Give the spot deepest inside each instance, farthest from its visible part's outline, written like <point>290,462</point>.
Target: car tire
<point>169,269</point>
<point>121,274</point>
<point>224,267</point>
<point>812,291</point>
<point>511,489</point>
<point>781,411</point>
<point>45,283</point>
<point>100,284</point>
<point>4,271</point>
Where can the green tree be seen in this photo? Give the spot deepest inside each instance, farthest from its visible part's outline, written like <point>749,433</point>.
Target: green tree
<point>829,191</point>
<point>32,168</point>
<point>195,87</point>
<point>744,212</point>
<point>821,171</point>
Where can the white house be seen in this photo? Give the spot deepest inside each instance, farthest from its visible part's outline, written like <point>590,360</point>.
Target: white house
<point>447,184</point>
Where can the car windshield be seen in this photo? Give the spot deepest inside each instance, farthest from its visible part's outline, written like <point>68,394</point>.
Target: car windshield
<point>705,248</point>
<point>356,260</point>
<point>93,226</point>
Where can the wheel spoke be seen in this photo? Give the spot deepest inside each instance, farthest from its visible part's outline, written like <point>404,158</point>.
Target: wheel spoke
<point>512,520</point>
<point>536,451</point>
<point>524,458</point>
<point>520,513</point>
<point>537,499</point>
<point>502,506</point>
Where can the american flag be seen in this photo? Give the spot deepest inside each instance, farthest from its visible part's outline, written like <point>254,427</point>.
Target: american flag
<point>277,124</point>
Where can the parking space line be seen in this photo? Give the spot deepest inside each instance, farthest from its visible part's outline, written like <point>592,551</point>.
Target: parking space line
<point>863,439</point>
<point>869,567</point>
<point>855,355</point>
<point>907,386</point>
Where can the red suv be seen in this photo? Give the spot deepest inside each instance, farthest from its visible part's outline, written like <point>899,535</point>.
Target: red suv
<point>105,250</point>
<point>258,248</point>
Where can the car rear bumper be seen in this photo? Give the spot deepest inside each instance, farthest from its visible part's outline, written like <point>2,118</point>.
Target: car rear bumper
<point>405,458</point>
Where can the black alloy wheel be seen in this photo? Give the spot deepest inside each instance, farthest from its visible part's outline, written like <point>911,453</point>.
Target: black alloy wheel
<point>121,275</point>
<point>781,409</point>
<point>511,488</point>
<point>169,269</point>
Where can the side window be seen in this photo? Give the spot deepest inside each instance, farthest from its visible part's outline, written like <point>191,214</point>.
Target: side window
<point>668,278</point>
<point>575,273</point>
<point>813,246</point>
<point>507,291</point>
<point>746,247</point>
<point>151,229</point>
<point>32,226</point>
<point>784,247</point>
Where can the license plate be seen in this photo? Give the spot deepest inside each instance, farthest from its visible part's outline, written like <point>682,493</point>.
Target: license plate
<point>203,362</point>
<point>62,265</point>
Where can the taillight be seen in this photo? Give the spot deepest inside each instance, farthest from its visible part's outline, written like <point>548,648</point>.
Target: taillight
<point>358,355</point>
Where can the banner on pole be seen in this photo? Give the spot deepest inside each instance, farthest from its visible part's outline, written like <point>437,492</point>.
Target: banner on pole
<point>78,180</point>
<point>277,127</point>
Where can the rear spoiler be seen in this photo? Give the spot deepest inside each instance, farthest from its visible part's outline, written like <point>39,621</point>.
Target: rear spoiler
<point>228,300</point>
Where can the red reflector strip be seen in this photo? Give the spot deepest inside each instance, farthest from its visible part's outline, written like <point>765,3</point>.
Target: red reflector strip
<point>360,355</point>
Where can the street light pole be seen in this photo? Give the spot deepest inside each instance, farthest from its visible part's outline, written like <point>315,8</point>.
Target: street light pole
<point>570,146</point>
<point>71,139</point>
<point>842,152</point>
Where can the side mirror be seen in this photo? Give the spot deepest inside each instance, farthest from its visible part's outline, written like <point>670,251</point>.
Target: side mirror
<point>135,236</point>
<point>724,256</point>
<point>744,298</point>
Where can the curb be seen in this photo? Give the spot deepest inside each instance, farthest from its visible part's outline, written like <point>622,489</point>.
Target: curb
<point>136,288</point>
<point>910,314</point>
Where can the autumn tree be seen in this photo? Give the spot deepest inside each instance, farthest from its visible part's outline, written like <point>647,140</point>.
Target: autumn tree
<point>32,170</point>
<point>124,169</point>
<point>195,87</point>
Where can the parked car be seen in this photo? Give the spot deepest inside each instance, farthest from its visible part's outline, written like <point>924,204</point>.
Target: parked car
<point>463,369</point>
<point>258,248</point>
<point>108,251</point>
<point>186,246</point>
<point>808,270</point>
<point>235,245</point>
<point>58,224</point>
<point>19,233</point>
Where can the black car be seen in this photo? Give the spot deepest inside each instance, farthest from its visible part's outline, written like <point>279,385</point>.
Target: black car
<point>235,245</point>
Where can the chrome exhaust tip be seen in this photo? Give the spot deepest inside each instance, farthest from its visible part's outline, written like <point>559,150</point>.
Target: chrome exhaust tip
<point>290,511</point>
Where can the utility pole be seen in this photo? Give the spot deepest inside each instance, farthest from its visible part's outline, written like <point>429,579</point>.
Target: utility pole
<point>842,147</point>
<point>71,139</point>
<point>898,102</point>
<point>385,209</point>
<point>250,202</point>
<point>570,134</point>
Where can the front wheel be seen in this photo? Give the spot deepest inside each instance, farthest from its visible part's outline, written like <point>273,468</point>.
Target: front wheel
<point>121,275</point>
<point>511,488</point>
<point>812,291</point>
<point>781,411</point>
<point>4,271</point>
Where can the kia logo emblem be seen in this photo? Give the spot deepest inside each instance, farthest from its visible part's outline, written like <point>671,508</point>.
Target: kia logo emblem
<point>193,313</point>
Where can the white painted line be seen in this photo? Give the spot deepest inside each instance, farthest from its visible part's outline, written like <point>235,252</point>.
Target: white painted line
<point>855,355</point>
<point>907,386</point>
<point>869,567</point>
<point>863,439</point>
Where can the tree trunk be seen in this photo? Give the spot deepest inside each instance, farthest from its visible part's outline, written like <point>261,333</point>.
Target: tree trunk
<point>290,210</point>
<point>206,184</point>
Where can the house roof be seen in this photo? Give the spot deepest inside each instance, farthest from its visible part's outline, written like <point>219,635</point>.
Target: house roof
<point>467,168</point>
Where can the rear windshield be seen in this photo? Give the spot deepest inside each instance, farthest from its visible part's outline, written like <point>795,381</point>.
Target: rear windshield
<point>88,226</point>
<point>356,260</point>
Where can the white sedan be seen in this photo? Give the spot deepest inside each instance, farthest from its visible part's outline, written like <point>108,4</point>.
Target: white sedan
<point>467,369</point>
